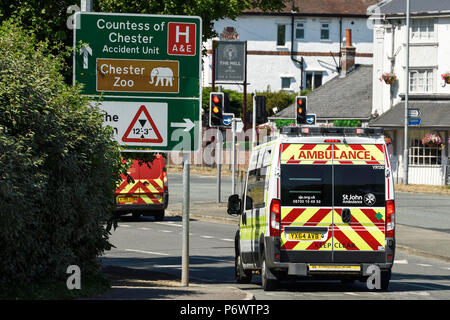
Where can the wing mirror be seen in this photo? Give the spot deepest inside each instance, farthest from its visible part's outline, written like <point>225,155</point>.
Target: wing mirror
<point>234,205</point>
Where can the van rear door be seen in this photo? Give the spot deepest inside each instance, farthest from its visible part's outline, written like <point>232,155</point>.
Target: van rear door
<point>306,203</point>
<point>359,203</point>
<point>333,203</point>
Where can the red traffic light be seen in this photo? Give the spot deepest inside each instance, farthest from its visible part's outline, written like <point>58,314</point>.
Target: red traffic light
<point>299,102</point>
<point>215,99</point>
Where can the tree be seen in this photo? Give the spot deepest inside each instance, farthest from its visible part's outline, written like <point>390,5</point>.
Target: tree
<point>58,166</point>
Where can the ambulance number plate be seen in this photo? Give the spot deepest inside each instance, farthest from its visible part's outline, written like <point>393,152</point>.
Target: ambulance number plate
<point>127,199</point>
<point>304,236</point>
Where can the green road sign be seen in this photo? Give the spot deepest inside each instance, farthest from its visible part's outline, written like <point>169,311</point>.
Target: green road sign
<point>146,69</point>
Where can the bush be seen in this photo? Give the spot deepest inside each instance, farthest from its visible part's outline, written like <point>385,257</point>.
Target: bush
<point>58,167</point>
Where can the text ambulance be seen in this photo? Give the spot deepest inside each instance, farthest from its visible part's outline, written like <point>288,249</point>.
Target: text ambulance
<point>318,203</point>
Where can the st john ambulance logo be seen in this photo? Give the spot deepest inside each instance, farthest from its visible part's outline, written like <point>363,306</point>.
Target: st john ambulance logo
<point>370,199</point>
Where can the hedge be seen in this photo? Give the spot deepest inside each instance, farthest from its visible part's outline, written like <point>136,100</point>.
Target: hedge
<point>58,167</point>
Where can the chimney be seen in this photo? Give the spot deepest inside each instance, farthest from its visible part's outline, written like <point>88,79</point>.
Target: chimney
<point>348,54</point>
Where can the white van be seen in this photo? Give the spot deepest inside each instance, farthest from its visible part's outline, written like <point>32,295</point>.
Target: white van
<point>319,203</point>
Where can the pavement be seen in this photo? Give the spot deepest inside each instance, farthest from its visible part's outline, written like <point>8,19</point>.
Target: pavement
<point>132,284</point>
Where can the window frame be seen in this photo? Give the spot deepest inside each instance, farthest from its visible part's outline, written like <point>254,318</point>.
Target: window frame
<point>419,35</point>
<point>427,80</point>
<point>302,28</point>
<point>278,34</point>
<point>322,23</point>
<point>420,155</point>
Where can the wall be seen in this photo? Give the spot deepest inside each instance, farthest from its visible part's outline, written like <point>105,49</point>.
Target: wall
<point>271,62</point>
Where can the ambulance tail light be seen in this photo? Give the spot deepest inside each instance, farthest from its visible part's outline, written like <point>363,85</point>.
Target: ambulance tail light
<point>390,218</point>
<point>332,141</point>
<point>165,180</point>
<point>306,131</point>
<point>275,217</point>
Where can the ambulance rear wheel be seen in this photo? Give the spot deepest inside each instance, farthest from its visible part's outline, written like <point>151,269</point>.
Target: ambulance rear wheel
<point>159,215</point>
<point>385,278</point>
<point>241,275</point>
<point>266,283</point>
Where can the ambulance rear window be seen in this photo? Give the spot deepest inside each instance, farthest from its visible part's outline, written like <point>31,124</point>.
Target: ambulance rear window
<point>306,185</point>
<point>154,171</point>
<point>359,186</point>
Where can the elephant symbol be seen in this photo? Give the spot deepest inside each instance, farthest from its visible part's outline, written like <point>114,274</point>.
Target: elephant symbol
<point>161,74</point>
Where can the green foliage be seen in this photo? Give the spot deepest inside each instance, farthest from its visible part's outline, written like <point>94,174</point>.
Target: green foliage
<point>347,123</point>
<point>284,122</point>
<point>280,99</point>
<point>58,166</point>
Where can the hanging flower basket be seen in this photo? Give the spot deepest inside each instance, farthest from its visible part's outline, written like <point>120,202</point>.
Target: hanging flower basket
<point>446,77</point>
<point>388,78</point>
<point>432,139</point>
<point>388,140</point>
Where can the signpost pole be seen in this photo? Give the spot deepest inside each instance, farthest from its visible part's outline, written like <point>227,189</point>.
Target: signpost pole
<point>86,5</point>
<point>233,161</point>
<point>219,158</point>
<point>405,151</point>
<point>185,214</point>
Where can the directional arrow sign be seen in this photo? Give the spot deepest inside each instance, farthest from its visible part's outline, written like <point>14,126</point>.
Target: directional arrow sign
<point>414,113</point>
<point>86,51</point>
<point>187,124</point>
<point>414,121</point>
<point>135,60</point>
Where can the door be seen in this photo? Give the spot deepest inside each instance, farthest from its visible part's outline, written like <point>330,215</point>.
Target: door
<point>306,203</point>
<point>333,198</point>
<point>359,203</point>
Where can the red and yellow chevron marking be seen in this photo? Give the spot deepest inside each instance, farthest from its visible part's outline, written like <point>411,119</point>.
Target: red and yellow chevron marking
<point>140,192</point>
<point>332,154</point>
<point>320,217</point>
<point>365,232</point>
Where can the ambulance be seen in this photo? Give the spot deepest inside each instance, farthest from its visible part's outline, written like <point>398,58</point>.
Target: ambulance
<point>318,203</point>
<point>148,194</point>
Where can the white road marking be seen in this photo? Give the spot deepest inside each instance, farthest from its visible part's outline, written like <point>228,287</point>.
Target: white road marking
<point>207,237</point>
<point>147,252</point>
<point>400,261</point>
<point>351,293</point>
<point>165,230</point>
<point>231,240</point>
<point>143,228</point>
<point>420,293</point>
<point>169,224</point>
<point>424,265</point>
<point>124,225</point>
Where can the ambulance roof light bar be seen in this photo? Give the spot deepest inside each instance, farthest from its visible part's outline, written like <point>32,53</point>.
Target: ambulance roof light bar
<point>331,131</point>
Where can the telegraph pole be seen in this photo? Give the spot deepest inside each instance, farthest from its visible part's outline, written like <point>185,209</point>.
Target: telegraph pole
<point>406,142</point>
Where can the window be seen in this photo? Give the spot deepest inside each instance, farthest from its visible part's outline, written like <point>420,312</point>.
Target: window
<point>422,29</point>
<point>300,31</point>
<point>421,81</point>
<point>313,79</point>
<point>281,35</point>
<point>423,155</point>
<point>255,186</point>
<point>352,183</point>
<point>285,83</point>
<point>324,31</point>
<point>306,185</point>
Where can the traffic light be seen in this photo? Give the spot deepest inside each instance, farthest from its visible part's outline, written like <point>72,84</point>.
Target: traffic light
<point>261,116</point>
<point>300,109</point>
<point>216,105</point>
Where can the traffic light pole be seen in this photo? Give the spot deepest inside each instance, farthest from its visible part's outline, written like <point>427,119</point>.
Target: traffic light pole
<point>233,154</point>
<point>254,122</point>
<point>219,158</point>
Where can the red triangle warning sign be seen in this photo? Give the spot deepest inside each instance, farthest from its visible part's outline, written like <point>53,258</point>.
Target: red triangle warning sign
<point>142,129</point>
